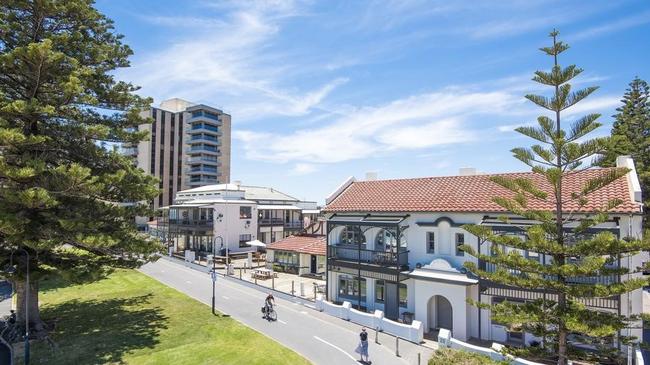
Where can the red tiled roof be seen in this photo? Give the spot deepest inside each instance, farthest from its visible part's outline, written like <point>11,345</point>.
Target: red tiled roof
<point>471,194</point>
<point>309,244</point>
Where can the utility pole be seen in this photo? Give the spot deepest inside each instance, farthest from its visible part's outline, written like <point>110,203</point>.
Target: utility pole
<point>213,274</point>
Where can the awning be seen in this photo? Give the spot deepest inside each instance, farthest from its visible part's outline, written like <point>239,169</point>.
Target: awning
<point>257,243</point>
<point>278,207</point>
<point>311,211</point>
<point>435,275</point>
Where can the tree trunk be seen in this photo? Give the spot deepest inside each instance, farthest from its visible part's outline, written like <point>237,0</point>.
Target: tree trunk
<point>562,334</point>
<point>32,311</point>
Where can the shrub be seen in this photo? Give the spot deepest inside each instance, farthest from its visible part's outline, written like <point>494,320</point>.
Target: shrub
<point>449,356</point>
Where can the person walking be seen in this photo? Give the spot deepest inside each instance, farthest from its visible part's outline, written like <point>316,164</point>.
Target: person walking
<point>362,349</point>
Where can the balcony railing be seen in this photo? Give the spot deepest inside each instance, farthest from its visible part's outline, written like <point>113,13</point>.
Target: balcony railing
<point>202,126</point>
<point>297,224</point>
<point>203,159</point>
<point>203,180</point>
<point>205,169</point>
<point>205,137</point>
<point>192,222</point>
<point>381,258</point>
<point>205,114</point>
<point>271,221</point>
<point>600,279</point>
<point>203,148</point>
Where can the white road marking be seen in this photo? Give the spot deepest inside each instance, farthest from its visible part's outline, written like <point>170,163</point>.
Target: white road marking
<point>225,297</point>
<point>303,312</point>
<point>336,347</point>
<point>281,321</point>
<point>189,282</point>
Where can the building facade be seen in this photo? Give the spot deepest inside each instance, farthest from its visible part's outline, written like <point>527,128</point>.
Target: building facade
<point>394,245</point>
<point>212,218</point>
<point>189,146</point>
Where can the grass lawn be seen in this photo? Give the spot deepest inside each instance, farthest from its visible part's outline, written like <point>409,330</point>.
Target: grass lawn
<point>129,318</point>
<point>449,356</point>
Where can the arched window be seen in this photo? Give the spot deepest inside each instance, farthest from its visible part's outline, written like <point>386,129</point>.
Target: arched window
<point>385,240</point>
<point>352,235</point>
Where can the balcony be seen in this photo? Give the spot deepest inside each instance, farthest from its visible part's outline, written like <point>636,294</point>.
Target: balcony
<point>293,225</point>
<point>203,169</point>
<point>213,160</point>
<point>198,223</point>
<point>368,257</point>
<point>202,114</point>
<point>202,148</point>
<point>200,127</point>
<point>271,222</point>
<point>600,279</point>
<point>203,180</point>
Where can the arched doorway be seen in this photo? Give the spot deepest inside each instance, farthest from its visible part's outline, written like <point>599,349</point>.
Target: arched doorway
<point>440,314</point>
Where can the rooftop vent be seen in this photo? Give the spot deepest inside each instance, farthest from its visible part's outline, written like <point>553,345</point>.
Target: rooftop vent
<point>371,175</point>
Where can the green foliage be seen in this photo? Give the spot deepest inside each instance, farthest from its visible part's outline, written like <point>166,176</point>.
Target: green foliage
<point>449,356</point>
<point>631,136</point>
<point>62,193</point>
<point>574,260</point>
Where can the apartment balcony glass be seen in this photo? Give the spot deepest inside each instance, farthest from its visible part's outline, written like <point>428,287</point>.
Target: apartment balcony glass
<point>201,179</point>
<point>204,159</point>
<point>206,137</point>
<point>293,225</point>
<point>205,114</point>
<point>202,168</point>
<point>271,222</point>
<point>204,126</point>
<point>203,148</point>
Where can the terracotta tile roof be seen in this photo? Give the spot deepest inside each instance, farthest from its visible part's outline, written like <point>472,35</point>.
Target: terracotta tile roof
<point>309,244</point>
<point>469,194</point>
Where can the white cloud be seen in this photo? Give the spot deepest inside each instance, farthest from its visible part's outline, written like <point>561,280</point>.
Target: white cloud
<point>303,169</point>
<point>229,59</point>
<point>415,122</point>
<point>620,24</point>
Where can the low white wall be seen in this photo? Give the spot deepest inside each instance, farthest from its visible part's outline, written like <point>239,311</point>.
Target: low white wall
<point>413,332</point>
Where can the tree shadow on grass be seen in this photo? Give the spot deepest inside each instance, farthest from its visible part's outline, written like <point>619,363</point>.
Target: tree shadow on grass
<point>98,332</point>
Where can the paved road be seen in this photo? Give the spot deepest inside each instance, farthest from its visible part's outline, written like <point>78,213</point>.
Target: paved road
<point>319,337</point>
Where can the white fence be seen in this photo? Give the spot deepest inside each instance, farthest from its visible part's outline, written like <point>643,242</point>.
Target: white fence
<point>413,332</point>
<point>638,358</point>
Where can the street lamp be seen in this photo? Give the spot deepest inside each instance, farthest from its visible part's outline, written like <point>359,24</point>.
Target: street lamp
<point>213,273</point>
<point>11,270</point>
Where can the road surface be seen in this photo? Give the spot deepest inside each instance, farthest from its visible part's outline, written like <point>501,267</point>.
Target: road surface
<point>317,336</point>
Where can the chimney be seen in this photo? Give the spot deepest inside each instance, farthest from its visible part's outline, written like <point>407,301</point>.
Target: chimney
<point>467,171</point>
<point>371,175</point>
<point>237,183</point>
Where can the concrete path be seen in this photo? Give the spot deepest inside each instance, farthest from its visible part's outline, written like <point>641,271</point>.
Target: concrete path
<point>317,336</point>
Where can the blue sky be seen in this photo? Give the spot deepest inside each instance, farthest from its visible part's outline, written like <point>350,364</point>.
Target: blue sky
<point>319,91</point>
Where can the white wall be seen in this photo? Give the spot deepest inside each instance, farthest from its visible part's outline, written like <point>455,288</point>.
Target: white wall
<point>455,294</point>
<point>230,226</point>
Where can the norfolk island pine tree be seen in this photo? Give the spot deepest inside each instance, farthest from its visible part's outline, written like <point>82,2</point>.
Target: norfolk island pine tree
<point>61,191</point>
<point>560,235</point>
<point>631,136</point>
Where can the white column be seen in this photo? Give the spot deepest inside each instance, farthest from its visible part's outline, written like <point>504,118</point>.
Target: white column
<point>370,294</point>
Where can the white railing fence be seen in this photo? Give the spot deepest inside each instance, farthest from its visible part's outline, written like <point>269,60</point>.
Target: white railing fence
<point>413,332</point>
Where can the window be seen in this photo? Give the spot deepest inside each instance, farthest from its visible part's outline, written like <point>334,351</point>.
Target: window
<point>243,238</point>
<point>352,236</point>
<point>431,242</point>
<point>380,293</point>
<point>403,295</point>
<point>460,240</point>
<point>245,212</point>
<point>532,255</point>
<point>285,258</point>
<point>349,288</point>
<point>385,240</point>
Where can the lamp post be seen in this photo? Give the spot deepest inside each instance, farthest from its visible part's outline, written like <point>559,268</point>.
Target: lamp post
<point>11,270</point>
<point>213,274</point>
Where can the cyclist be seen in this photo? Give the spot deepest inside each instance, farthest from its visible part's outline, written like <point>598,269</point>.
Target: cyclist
<point>268,304</point>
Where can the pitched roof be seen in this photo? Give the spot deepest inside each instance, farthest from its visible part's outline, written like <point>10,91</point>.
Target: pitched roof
<point>309,244</point>
<point>250,192</point>
<point>471,194</point>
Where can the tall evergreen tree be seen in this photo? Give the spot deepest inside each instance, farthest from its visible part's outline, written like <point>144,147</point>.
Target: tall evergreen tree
<point>572,259</point>
<point>61,191</point>
<point>631,136</point>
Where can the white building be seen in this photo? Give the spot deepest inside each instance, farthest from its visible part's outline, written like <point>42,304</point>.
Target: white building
<point>211,218</point>
<point>393,246</point>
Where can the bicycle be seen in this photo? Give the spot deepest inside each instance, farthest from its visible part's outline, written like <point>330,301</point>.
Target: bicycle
<point>269,313</point>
